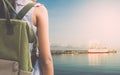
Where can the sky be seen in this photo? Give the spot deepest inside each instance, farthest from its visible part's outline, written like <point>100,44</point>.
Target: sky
<point>81,23</point>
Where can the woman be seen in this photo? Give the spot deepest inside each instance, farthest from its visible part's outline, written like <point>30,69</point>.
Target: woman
<point>38,18</point>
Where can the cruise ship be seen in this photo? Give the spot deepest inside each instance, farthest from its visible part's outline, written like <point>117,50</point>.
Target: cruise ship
<point>97,48</point>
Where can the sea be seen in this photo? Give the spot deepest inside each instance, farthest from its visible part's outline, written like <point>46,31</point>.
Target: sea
<point>87,64</point>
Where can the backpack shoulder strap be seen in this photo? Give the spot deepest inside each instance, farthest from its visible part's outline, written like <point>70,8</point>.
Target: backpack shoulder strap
<point>24,10</point>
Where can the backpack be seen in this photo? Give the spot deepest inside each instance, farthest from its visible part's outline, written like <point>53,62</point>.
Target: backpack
<point>15,36</point>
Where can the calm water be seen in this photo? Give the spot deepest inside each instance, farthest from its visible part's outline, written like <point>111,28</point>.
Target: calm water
<point>87,64</point>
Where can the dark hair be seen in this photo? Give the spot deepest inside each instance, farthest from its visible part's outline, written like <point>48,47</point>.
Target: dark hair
<point>2,12</point>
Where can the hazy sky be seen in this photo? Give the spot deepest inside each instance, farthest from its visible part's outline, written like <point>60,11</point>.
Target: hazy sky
<point>81,22</point>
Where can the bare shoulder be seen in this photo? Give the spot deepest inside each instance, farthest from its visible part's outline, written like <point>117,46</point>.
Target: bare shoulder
<point>41,10</point>
<point>40,17</point>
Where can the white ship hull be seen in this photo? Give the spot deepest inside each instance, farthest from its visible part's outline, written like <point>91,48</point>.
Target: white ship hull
<point>98,51</point>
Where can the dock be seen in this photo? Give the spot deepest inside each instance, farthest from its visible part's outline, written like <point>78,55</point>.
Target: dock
<point>58,52</point>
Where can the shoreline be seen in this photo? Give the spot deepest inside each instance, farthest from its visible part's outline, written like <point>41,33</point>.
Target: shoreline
<point>59,52</point>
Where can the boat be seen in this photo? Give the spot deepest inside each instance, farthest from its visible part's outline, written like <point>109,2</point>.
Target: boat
<point>97,48</point>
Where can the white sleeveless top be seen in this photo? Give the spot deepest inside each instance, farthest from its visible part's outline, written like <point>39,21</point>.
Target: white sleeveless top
<point>28,17</point>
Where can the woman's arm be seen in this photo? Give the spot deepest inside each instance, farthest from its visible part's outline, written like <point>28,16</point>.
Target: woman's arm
<point>46,62</point>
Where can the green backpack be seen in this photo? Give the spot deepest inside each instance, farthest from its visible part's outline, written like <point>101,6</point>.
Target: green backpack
<point>15,36</point>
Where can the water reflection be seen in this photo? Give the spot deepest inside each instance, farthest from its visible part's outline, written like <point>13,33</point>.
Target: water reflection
<point>97,59</point>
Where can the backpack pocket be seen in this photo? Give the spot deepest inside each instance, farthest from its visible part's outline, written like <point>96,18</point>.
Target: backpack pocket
<point>8,67</point>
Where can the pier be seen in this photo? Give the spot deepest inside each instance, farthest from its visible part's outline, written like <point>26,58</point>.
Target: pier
<point>58,52</point>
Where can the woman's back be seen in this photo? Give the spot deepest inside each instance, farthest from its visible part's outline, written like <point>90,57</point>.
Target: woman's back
<point>28,17</point>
